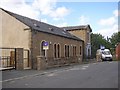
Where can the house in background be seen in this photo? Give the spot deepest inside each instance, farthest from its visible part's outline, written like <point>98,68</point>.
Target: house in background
<point>36,39</point>
<point>83,32</point>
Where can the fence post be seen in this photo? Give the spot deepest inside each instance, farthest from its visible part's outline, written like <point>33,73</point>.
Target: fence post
<point>41,63</point>
<point>19,59</point>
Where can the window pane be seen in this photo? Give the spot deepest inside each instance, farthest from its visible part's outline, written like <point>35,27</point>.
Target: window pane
<point>58,50</point>
<point>55,50</point>
<point>80,50</point>
<point>75,50</point>
<point>65,51</point>
<point>42,50</point>
<point>68,51</point>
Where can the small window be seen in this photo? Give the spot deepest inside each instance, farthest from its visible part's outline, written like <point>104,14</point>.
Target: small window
<point>51,29</point>
<point>35,24</point>
<point>74,50</point>
<point>67,51</point>
<point>42,50</point>
<point>80,50</point>
<point>63,32</point>
<point>55,50</point>
<point>58,48</point>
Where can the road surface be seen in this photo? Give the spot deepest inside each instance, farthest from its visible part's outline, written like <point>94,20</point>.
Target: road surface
<point>93,75</point>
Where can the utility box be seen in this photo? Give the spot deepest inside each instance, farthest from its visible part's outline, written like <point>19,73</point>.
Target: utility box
<point>118,52</point>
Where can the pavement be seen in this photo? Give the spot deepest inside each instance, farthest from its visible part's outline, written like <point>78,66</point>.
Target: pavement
<point>92,75</point>
<point>11,74</point>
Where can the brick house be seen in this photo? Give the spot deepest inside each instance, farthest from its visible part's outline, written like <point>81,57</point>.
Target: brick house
<point>22,32</point>
<point>83,32</point>
<point>118,51</point>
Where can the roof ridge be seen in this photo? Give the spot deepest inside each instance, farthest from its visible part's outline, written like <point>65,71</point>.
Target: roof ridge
<point>76,26</point>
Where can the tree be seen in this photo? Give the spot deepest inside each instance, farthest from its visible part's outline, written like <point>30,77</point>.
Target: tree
<point>96,41</point>
<point>109,43</point>
<point>115,39</point>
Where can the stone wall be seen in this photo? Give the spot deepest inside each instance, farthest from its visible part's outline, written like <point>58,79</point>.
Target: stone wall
<point>43,63</point>
<point>38,37</point>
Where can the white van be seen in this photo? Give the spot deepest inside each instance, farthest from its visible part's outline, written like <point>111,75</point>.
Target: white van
<point>105,54</point>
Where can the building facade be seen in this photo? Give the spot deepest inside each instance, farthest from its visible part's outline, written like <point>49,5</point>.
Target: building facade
<point>39,38</point>
<point>118,51</point>
<point>83,32</point>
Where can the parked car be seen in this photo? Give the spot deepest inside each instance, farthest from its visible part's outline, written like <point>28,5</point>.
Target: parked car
<point>104,54</point>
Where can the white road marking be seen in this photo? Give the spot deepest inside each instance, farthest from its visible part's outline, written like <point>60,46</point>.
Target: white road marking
<point>83,68</point>
<point>52,74</point>
<point>26,84</point>
<point>86,66</point>
<point>94,63</point>
<point>74,69</point>
<point>12,82</point>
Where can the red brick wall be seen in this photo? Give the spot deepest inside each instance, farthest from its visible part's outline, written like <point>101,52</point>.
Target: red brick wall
<point>118,52</point>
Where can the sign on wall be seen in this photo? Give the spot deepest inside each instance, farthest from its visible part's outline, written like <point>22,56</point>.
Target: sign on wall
<point>45,45</point>
<point>102,47</point>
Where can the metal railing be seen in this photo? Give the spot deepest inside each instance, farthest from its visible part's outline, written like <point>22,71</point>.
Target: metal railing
<point>7,57</point>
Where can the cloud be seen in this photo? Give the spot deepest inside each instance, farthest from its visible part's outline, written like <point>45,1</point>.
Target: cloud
<point>109,25</point>
<point>110,20</point>
<point>44,20</point>
<point>108,31</point>
<point>107,22</point>
<point>48,7</point>
<point>115,12</point>
<point>59,13</point>
<point>45,6</point>
<point>64,24</point>
<point>12,2</point>
<point>20,7</point>
<point>36,8</point>
<point>83,20</point>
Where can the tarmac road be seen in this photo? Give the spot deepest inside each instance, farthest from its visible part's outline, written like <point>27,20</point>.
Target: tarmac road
<point>93,75</point>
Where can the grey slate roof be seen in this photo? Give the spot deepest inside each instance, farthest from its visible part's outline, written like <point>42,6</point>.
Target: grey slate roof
<point>70,28</point>
<point>43,27</point>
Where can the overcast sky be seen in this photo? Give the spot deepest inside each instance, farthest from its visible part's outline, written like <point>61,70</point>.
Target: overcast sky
<point>101,16</point>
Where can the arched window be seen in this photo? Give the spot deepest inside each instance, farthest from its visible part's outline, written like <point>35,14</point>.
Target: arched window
<point>58,48</point>
<point>80,50</point>
<point>42,50</point>
<point>67,50</point>
<point>74,50</point>
<point>55,50</point>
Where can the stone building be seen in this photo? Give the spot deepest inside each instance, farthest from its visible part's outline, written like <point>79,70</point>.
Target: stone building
<point>38,38</point>
<point>83,32</point>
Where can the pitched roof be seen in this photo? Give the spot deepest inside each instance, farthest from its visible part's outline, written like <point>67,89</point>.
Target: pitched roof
<point>43,27</point>
<point>71,28</point>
